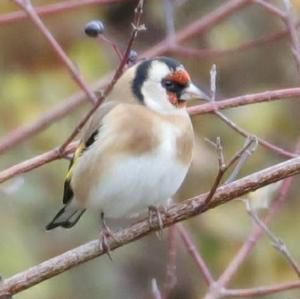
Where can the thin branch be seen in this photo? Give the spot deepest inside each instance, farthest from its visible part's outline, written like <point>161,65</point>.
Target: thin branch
<point>271,8</point>
<point>5,295</point>
<point>213,107</point>
<point>291,25</point>
<point>170,22</point>
<point>194,110</point>
<point>268,145</point>
<point>235,127</point>
<point>53,9</point>
<point>137,27</point>
<point>243,155</point>
<point>196,27</point>
<point>36,161</point>
<point>255,98</point>
<point>209,53</point>
<point>262,290</point>
<point>223,167</point>
<point>63,57</point>
<point>56,113</point>
<point>170,276</point>
<point>176,213</point>
<point>194,252</point>
<point>155,289</point>
<point>256,233</point>
<point>202,25</point>
<point>276,242</point>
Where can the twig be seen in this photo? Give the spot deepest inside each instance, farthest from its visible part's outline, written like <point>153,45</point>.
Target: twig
<point>170,276</point>
<point>271,8</point>
<point>213,82</point>
<point>203,24</point>
<point>184,34</point>
<point>223,167</point>
<point>176,213</point>
<point>268,145</point>
<point>136,28</point>
<point>36,161</point>
<point>115,47</point>
<point>262,290</point>
<point>244,156</point>
<point>235,127</point>
<point>295,42</point>
<point>155,290</point>
<point>59,111</point>
<point>53,9</point>
<point>195,110</point>
<point>214,107</point>
<point>276,242</point>
<point>194,252</point>
<point>4,295</point>
<point>255,98</point>
<point>170,23</point>
<point>209,53</point>
<point>256,234</point>
<point>63,57</point>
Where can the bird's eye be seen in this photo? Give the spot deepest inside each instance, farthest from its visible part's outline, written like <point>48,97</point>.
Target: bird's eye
<point>167,83</point>
<point>172,86</point>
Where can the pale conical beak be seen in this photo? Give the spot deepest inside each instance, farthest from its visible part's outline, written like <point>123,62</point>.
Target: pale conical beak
<point>192,92</point>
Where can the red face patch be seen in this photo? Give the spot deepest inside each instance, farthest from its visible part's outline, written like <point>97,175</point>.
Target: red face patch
<point>175,101</point>
<point>181,77</point>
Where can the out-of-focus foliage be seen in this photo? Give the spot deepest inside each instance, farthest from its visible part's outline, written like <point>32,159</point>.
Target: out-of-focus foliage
<point>32,81</point>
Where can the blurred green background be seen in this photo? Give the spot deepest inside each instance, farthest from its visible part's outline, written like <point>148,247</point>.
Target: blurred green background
<point>32,81</point>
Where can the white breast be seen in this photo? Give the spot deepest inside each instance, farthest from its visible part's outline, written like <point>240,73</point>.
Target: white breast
<point>136,182</point>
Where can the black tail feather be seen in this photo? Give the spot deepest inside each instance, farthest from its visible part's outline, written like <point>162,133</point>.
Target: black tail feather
<point>64,218</point>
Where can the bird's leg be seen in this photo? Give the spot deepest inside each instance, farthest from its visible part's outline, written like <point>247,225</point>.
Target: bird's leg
<point>105,234</point>
<point>154,213</point>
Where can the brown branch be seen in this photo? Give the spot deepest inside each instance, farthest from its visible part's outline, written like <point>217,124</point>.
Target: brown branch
<point>176,213</point>
<point>202,25</point>
<point>277,243</point>
<point>254,98</point>
<point>137,27</point>
<point>262,290</point>
<point>271,8</point>
<point>53,9</point>
<point>170,275</point>
<point>63,57</point>
<point>155,290</point>
<point>59,111</point>
<point>195,110</point>
<point>193,251</point>
<point>209,53</point>
<point>291,26</point>
<point>276,149</point>
<point>224,167</point>
<point>254,236</point>
<point>35,162</point>
<point>197,27</point>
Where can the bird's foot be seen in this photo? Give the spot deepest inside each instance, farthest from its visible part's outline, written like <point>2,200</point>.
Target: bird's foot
<point>106,234</point>
<point>155,219</point>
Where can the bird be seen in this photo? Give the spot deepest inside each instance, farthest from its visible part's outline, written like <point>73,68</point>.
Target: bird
<point>136,150</point>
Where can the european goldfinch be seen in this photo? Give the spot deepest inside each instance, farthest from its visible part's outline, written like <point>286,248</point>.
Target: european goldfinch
<point>137,148</point>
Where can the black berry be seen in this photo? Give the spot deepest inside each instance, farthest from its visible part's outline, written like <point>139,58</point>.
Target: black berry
<point>94,28</point>
<point>132,57</point>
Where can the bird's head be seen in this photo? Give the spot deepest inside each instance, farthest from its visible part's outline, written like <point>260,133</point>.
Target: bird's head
<point>162,84</point>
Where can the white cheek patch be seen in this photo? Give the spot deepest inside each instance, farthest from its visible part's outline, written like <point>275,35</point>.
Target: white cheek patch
<point>158,71</point>
<point>155,95</point>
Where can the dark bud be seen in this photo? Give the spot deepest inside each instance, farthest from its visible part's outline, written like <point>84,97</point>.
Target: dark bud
<point>94,28</point>
<point>132,57</point>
